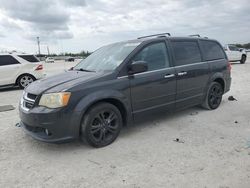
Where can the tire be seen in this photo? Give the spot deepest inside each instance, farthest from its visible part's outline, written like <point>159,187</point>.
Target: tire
<point>101,125</point>
<point>25,80</point>
<point>243,59</point>
<point>213,97</point>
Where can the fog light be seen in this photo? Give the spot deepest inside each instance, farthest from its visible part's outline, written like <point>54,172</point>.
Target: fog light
<point>47,132</point>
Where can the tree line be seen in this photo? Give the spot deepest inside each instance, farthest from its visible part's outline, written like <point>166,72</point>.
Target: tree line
<point>83,54</point>
<point>247,45</point>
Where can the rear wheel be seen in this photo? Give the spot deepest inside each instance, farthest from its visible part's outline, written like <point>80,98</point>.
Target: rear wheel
<point>243,59</point>
<point>25,80</point>
<point>214,96</point>
<point>101,125</point>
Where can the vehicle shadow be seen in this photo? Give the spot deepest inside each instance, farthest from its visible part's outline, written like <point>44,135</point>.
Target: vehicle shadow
<point>77,145</point>
<point>235,63</point>
<point>155,119</point>
<point>7,89</point>
<point>148,121</point>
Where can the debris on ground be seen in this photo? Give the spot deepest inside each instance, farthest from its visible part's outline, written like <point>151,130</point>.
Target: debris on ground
<point>194,113</point>
<point>112,166</point>
<point>178,140</point>
<point>94,162</point>
<point>6,108</point>
<point>231,98</point>
<point>237,150</point>
<point>18,125</point>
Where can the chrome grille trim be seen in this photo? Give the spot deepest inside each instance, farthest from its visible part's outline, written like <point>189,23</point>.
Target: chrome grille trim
<point>26,101</point>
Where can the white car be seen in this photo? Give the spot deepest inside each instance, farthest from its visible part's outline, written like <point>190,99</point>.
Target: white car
<point>235,54</point>
<point>49,60</point>
<point>19,69</point>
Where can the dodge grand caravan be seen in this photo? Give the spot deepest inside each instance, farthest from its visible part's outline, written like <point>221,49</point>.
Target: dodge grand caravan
<point>121,81</point>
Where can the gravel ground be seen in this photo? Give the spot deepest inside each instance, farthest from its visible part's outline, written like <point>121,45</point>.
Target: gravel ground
<point>214,148</point>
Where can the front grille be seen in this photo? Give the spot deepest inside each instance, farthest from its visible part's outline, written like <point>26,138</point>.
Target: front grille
<point>31,96</point>
<point>28,105</point>
<point>34,129</point>
<point>28,100</point>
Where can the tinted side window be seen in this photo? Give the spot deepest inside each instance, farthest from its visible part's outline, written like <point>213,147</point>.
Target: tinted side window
<point>186,52</point>
<point>155,55</point>
<point>7,60</point>
<point>212,50</point>
<point>29,58</point>
<point>233,48</point>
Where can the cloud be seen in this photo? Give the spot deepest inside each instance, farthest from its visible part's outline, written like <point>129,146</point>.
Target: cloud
<point>42,17</point>
<point>92,23</point>
<point>2,35</point>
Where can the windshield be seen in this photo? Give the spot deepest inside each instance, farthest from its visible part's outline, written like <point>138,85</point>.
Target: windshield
<point>107,58</point>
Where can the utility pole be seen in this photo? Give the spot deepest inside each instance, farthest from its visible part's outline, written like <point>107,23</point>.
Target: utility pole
<point>48,50</point>
<point>38,44</point>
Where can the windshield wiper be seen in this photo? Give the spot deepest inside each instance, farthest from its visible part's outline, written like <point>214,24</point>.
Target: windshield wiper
<point>84,70</point>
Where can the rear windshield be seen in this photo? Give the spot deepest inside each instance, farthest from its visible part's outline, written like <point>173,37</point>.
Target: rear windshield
<point>29,58</point>
<point>212,50</point>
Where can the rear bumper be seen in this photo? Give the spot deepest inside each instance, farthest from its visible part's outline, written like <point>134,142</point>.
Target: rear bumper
<point>227,85</point>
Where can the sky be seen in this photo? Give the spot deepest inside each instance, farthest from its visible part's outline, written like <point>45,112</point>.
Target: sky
<point>76,25</point>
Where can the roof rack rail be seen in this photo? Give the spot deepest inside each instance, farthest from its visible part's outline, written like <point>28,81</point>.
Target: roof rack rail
<point>155,35</point>
<point>196,35</point>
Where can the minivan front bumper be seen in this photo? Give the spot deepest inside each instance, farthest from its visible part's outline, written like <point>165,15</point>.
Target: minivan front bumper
<point>48,125</point>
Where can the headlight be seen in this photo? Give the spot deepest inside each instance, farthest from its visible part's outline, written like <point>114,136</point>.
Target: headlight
<point>55,100</point>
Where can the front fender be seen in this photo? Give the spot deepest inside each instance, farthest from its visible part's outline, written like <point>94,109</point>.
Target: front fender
<point>92,98</point>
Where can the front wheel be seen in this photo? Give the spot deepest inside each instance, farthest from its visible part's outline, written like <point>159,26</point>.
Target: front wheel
<point>214,96</point>
<point>25,80</point>
<point>101,125</point>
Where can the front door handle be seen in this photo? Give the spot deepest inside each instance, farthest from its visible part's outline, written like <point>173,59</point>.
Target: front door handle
<point>182,73</point>
<point>169,75</point>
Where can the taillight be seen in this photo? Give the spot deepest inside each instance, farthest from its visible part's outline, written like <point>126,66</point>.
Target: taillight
<point>39,67</point>
<point>229,66</point>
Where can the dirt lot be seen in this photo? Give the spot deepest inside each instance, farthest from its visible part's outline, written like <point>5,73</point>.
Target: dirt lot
<point>215,152</point>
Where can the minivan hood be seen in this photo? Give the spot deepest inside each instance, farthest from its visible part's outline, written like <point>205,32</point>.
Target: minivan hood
<point>64,80</point>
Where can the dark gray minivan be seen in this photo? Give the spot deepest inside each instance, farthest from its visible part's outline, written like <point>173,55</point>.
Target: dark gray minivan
<point>120,82</point>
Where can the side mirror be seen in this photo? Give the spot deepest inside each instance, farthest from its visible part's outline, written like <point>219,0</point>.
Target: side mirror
<point>137,67</point>
<point>240,50</point>
<point>71,68</point>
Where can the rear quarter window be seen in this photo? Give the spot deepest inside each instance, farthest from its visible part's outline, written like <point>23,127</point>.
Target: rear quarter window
<point>7,60</point>
<point>186,52</point>
<point>212,50</point>
<point>29,58</point>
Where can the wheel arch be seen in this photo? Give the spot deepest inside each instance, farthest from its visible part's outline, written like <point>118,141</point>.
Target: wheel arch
<point>117,103</point>
<point>23,74</point>
<point>113,97</point>
<point>219,79</point>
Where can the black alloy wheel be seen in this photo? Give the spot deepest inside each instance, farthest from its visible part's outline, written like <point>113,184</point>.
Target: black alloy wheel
<point>101,125</point>
<point>214,96</point>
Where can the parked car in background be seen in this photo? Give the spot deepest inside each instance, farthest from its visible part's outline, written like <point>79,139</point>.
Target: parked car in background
<point>121,82</point>
<point>70,59</point>
<point>49,60</point>
<point>19,69</point>
<point>235,54</point>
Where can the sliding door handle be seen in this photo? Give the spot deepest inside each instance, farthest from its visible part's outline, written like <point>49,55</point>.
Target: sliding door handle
<point>182,73</point>
<point>169,76</point>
